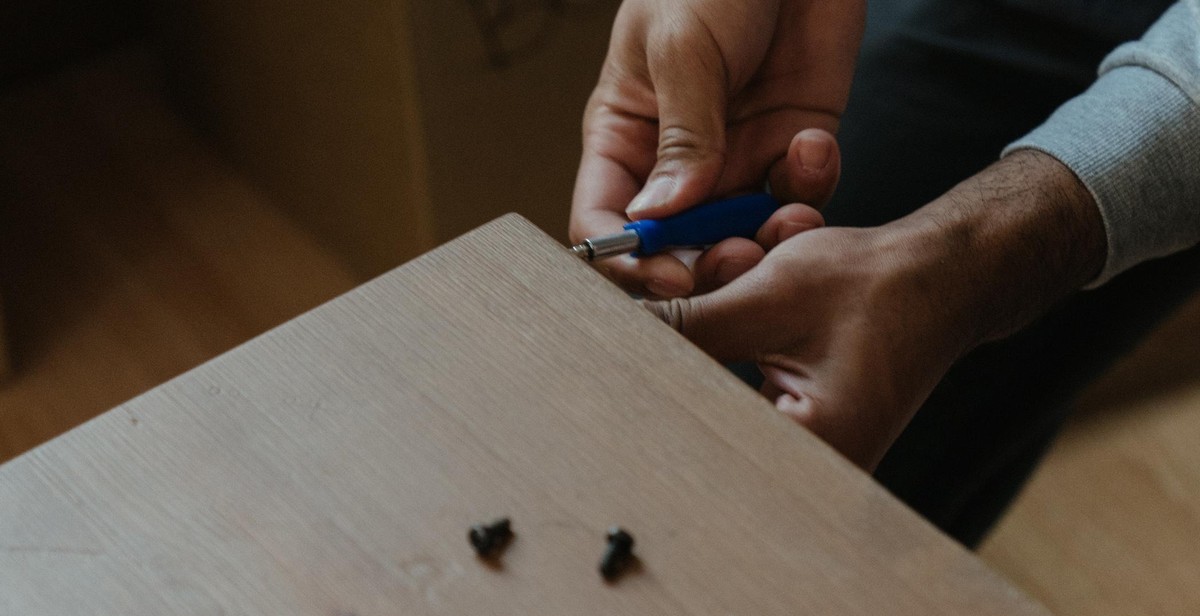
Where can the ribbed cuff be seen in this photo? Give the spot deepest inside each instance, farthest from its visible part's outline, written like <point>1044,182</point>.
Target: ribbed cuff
<point>1132,140</point>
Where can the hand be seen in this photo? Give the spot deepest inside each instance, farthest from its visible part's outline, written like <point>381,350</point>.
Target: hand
<point>705,98</point>
<point>854,327</point>
<point>849,334</point>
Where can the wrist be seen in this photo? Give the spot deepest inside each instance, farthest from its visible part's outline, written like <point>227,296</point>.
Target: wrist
<point>1001,248</point>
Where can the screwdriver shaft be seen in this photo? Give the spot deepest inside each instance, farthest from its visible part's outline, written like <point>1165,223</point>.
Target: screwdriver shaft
<point>595,248</point>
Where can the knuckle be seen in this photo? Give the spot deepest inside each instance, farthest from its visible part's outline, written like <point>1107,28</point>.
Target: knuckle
<point>683,143</point>
<point>674,312</point>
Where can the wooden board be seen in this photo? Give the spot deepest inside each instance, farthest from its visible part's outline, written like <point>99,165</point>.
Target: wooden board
<point>333,465</point>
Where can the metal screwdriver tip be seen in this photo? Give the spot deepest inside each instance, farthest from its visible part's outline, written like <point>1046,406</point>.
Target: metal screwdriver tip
<point>605,246</point>
<point>582,251</point>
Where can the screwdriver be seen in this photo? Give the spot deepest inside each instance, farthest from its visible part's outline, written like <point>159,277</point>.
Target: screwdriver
<point>702,225</point>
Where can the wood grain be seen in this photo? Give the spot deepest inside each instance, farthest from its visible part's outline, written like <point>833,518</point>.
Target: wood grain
<point>332,466</point>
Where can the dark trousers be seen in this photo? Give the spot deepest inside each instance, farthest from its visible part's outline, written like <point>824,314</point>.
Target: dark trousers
<point>942,86</point>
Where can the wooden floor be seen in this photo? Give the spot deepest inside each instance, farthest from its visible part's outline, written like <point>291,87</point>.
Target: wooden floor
<point>1110,524</point>
<point>129,253</point>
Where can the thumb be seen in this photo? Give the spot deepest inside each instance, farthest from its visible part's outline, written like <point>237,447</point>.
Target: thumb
<point>733,323</point>
<point>689,79</point>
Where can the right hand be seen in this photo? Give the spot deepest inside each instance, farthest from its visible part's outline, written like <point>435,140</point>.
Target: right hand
<point>705,98</point>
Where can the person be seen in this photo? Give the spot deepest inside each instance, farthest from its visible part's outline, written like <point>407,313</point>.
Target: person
<point>927,319</point>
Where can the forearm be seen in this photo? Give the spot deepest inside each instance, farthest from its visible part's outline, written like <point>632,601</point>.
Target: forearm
<point>1002,247</point>
<point>1134,141</point>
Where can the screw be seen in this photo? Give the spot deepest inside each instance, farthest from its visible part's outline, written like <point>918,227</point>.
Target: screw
<point>489,539</point>
<point>618,553</point>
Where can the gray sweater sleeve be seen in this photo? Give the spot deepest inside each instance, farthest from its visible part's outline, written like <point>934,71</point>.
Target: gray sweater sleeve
<point>1133,139</point>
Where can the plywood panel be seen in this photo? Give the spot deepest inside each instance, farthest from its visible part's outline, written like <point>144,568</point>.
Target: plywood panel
<point>333,465</point>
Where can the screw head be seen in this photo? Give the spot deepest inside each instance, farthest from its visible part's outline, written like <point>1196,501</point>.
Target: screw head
<point>618,554</point>
<point>618,536</point>
<point>488,539</point>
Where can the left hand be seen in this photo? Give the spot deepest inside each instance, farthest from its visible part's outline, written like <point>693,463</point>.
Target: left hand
<point>849,338</point>
<point>853,328</point>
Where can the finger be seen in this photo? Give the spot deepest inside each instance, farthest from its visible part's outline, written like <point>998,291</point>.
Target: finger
<point>787,222</point>
<point>769,390</point>
<point>725,261</point>
<point>734,323</point>
<point>757,143</point>
<point>809,172</point>
<point>618,150</point>
<point>689,80</point>
<point>589,223</point>
<point>661,276</point>
<point>799,408</point>
<point>788,389</point>
<point>797,394</point>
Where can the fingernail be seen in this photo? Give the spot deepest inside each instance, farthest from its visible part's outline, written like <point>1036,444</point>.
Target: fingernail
<point>653,195</point>
<point>814,153</point>
<point>729,269</point>
<point>663,289</point>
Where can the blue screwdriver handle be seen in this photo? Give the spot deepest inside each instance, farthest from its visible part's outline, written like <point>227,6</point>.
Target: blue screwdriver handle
<point>705,224</point>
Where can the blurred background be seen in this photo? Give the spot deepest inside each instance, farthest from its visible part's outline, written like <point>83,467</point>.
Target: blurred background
<point>180,176</point>
<point>176,178</point>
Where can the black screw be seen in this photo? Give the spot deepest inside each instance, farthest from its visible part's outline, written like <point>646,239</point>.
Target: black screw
<point>618,553</point>
<point>489,539</point>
